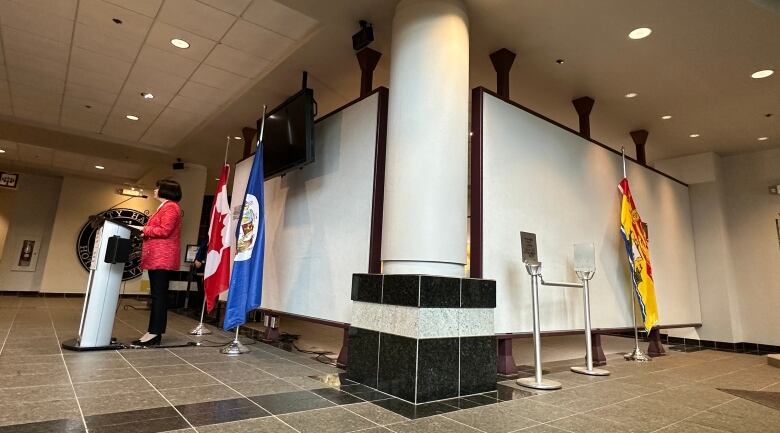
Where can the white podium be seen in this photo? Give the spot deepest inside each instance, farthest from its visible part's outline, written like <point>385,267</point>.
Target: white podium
<point>111,251</point>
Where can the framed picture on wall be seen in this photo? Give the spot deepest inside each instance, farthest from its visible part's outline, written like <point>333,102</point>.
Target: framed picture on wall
<point>25,258</point>
<point>777,226</point>
<point>191,253</point>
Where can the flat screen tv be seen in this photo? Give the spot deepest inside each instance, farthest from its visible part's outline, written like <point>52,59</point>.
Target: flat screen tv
<point>288,137</point>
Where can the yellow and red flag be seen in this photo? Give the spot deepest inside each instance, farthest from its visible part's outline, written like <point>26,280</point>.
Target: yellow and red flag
<point>633,231</point>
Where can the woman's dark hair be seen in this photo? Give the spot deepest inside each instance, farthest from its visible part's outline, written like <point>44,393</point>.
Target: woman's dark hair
<point>169,190</point>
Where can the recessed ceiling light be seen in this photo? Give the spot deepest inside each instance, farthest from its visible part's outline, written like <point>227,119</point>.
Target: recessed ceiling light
<point>666,117</point>
<point>132,117</point>
<point>762,74</point>
<point>99,167</point>
<point>116,20</point>
<point>763,138</point>
<point>236,138</point>
<point>560,61</point>
<point>693,135</point>
<point>631,95</point>
<point>640,33</point>
<point>2,151</point>
<point>147,95</point>
<point>180,43</point>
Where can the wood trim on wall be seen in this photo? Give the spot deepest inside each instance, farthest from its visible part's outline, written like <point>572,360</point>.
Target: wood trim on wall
<point>477,100</point>
<point>378,201</point>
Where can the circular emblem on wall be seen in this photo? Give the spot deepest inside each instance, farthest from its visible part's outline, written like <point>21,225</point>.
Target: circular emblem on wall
<point>86,240</point>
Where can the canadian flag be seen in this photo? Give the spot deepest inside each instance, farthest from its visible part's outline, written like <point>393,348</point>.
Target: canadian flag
<point>216,275</point>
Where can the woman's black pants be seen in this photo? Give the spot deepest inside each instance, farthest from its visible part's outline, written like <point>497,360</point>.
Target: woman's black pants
<point>158,316</point>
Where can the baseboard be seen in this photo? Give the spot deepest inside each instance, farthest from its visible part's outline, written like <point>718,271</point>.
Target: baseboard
<point>741,347</point>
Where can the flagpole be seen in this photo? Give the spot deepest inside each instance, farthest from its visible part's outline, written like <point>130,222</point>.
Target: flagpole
<point>636,354</point>
<point>227,147</point>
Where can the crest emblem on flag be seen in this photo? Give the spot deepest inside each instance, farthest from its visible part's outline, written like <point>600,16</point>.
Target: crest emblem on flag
<point>248,228</point>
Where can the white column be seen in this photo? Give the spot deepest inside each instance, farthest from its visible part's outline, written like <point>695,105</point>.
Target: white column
<point>426,177</point>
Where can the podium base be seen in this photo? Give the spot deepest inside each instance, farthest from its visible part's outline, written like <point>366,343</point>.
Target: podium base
<point>74,345</point>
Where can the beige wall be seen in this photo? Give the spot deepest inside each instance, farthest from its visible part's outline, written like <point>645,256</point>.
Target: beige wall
<point>27,212</point>
<point>737,250</point>
<point>82,197</point>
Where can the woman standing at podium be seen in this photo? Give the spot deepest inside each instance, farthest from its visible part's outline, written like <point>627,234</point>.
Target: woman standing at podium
<point>160,255</point>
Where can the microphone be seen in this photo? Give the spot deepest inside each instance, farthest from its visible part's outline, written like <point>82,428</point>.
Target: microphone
<point>97,218</point>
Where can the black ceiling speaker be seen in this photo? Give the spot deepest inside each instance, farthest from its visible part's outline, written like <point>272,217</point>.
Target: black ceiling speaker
<point>365,36</point>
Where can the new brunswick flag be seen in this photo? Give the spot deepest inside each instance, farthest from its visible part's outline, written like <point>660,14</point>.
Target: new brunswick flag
<point>633,232</point>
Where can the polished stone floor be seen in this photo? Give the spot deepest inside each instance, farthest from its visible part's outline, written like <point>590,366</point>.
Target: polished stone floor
<point>196,389</point>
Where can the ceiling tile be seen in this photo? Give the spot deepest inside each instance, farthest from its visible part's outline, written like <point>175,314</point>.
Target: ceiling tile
<point>279,18</point>
<point>164,137</point>
<point>195,106</point>
<point>173,118</point>
<point>83,123</point>
<point>95,80</point>
<point>196,17</point>
<point>39,65</point>
<point>99,15</point>
<point>3,74</point>
<point>70,160</point>
<point>160,97</point>
<point>30,43</point>
<point>204,93</point>
<point>76,105</point>
<point>238,62</point>
<point>151,57</point>
<point>119,126</point>
<point>218,78</point>
<point>42,81</point>
<point>35,154</point>
<point>92,39</point>
<point>25,17</point>
<point>161,34</point>
<point>24,104</point>
<point>62,8</point>
<point>34,94</point>
<point>135,104</point>
<point>145,7</point>
<point>155,81</point>
<point>89,93</point>
<point>257,41</point>
<point>98,63</point>
<point>234,7</point>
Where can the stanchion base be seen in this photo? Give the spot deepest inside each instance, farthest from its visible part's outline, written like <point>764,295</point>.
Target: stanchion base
<point>200,330</point>
<point>545,384</point>
<point>637,355</point>
<point>235,348</point>
<point>591,372</point>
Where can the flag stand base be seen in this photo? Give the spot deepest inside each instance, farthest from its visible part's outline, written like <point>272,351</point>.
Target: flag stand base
<point>200,330</point>
<point>235,348</point>
<point>591,372</point>
<point>637,355</point>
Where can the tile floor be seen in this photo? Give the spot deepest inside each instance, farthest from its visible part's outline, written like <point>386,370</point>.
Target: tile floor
<point>196,389</point>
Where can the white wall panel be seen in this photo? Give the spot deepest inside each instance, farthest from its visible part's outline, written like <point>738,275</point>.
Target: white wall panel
<point>318,219</point>
<point>543,179</point>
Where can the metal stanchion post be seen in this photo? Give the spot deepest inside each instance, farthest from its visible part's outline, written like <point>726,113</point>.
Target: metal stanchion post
<point>235,347</point>
<point>537,382</point>
<point>201,329</point>
<point>588,369</point>
<point>636,354</point>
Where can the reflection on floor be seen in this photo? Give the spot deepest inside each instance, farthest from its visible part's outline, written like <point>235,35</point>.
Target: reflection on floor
<point>196,389</point>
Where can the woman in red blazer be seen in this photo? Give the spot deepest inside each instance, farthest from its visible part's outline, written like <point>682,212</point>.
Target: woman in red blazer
<point>160,255</point>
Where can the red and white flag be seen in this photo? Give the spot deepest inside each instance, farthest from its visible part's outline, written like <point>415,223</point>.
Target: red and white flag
<point>216,275</point>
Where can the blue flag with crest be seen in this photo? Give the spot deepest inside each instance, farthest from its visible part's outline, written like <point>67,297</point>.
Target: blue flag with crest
<point>246,282</point>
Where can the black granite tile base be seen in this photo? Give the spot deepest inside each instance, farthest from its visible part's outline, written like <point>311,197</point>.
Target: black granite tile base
<point>55,426</point>
<point>414,411</point>
<point>367,288</point>
<point>477,293</point>
<point>401,290</point>
<point>363,353</point>
<point>397,366</point>
<point>478,365</point>
<point>439,292</point>
<point>437,369</point>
